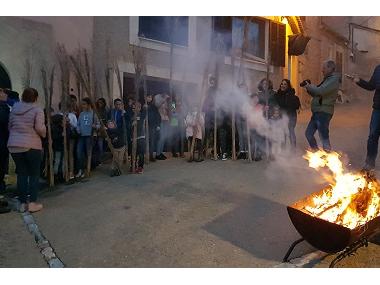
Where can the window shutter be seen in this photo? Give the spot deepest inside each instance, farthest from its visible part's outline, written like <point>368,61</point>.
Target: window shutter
<point>277,43</point>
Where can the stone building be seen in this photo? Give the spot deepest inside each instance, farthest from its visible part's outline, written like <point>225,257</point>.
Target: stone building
<point>199,42</point>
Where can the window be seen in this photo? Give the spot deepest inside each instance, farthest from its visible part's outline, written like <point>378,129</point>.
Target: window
<point>228,32</point>
<point>165,29</point>
<point>255,37</point>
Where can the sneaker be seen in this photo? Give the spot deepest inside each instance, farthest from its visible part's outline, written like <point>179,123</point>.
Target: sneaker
<point>241,155</point>
<point>258,158</point>
<point>224,157</point>
<point>139,170</point>
<point>23,208</point>
<point>175,155</point>
<point>34,207</point>
<point>161,157</point>
<point>164,156</point>
<point>80,174</point>
<point>4,207</point>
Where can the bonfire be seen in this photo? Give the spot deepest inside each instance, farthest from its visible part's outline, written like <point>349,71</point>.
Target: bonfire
<point>352,199</point>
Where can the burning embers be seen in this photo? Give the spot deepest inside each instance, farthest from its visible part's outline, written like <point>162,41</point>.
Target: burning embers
<point>351,200</point>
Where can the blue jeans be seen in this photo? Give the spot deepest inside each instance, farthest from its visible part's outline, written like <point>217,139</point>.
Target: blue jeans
<point>320,122</point>
<point>164,134</point>
<point>373,138</point>
<point>84,149</point>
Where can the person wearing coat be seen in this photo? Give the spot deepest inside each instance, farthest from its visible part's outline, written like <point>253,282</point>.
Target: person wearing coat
<point>322,105</point>
<point>374,129</point>
<point>26,128</point>
<point>289,104</point>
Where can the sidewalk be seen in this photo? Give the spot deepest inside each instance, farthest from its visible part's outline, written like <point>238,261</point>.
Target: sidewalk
<point>17,245</point>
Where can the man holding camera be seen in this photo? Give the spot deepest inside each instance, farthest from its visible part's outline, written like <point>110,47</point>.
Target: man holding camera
<point>374,127</point>
<point>322,105</point>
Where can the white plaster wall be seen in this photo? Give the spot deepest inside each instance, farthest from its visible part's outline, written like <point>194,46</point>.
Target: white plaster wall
<point>71,31</point>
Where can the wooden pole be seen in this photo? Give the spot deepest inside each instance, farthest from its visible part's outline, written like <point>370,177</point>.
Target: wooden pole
<point>65,78</point>
<point>138,64</point>
<point>119,83</point>
<point>233,133</point>
<point>48,121</point>
<point>267,94</point>
<point>146,125</point>
<point>242,73</point>
<point>215,132</point>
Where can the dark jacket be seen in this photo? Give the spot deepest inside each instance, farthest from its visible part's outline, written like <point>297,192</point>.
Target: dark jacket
<point>373,84</point>
<point>154,118</point>
<point>117,117</point>
<point>57,132</point>
<point>288,102</point>
<point>117,137</point>
<point>128,116</point>
<point>4,119</point>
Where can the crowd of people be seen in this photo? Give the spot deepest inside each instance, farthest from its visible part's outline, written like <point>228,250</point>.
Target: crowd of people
<point>87,127</point>
<point>264,125</point>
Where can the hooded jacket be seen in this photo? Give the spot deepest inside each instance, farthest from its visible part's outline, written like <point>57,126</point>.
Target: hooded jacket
<point>325,94</point>
<point>26,126</point>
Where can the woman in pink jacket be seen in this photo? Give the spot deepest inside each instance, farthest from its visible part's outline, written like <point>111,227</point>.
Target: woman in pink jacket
<point>26,128</point>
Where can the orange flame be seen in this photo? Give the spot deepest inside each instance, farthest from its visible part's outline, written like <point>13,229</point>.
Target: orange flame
<point>352,199</point>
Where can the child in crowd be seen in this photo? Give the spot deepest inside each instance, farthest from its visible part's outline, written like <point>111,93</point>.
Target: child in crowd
<point>194,128</point>
<point>138,165</point>
<point>278,132</point>
<point>118,142</point>
<point>87,123</point>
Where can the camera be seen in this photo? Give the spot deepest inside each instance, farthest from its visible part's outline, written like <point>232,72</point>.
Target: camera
<point>303,83</point>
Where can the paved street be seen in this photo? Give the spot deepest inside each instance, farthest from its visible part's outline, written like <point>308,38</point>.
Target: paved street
<point>180,214</point>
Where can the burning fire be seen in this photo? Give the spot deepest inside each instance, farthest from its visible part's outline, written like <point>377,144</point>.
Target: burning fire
<point>351,200</point>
